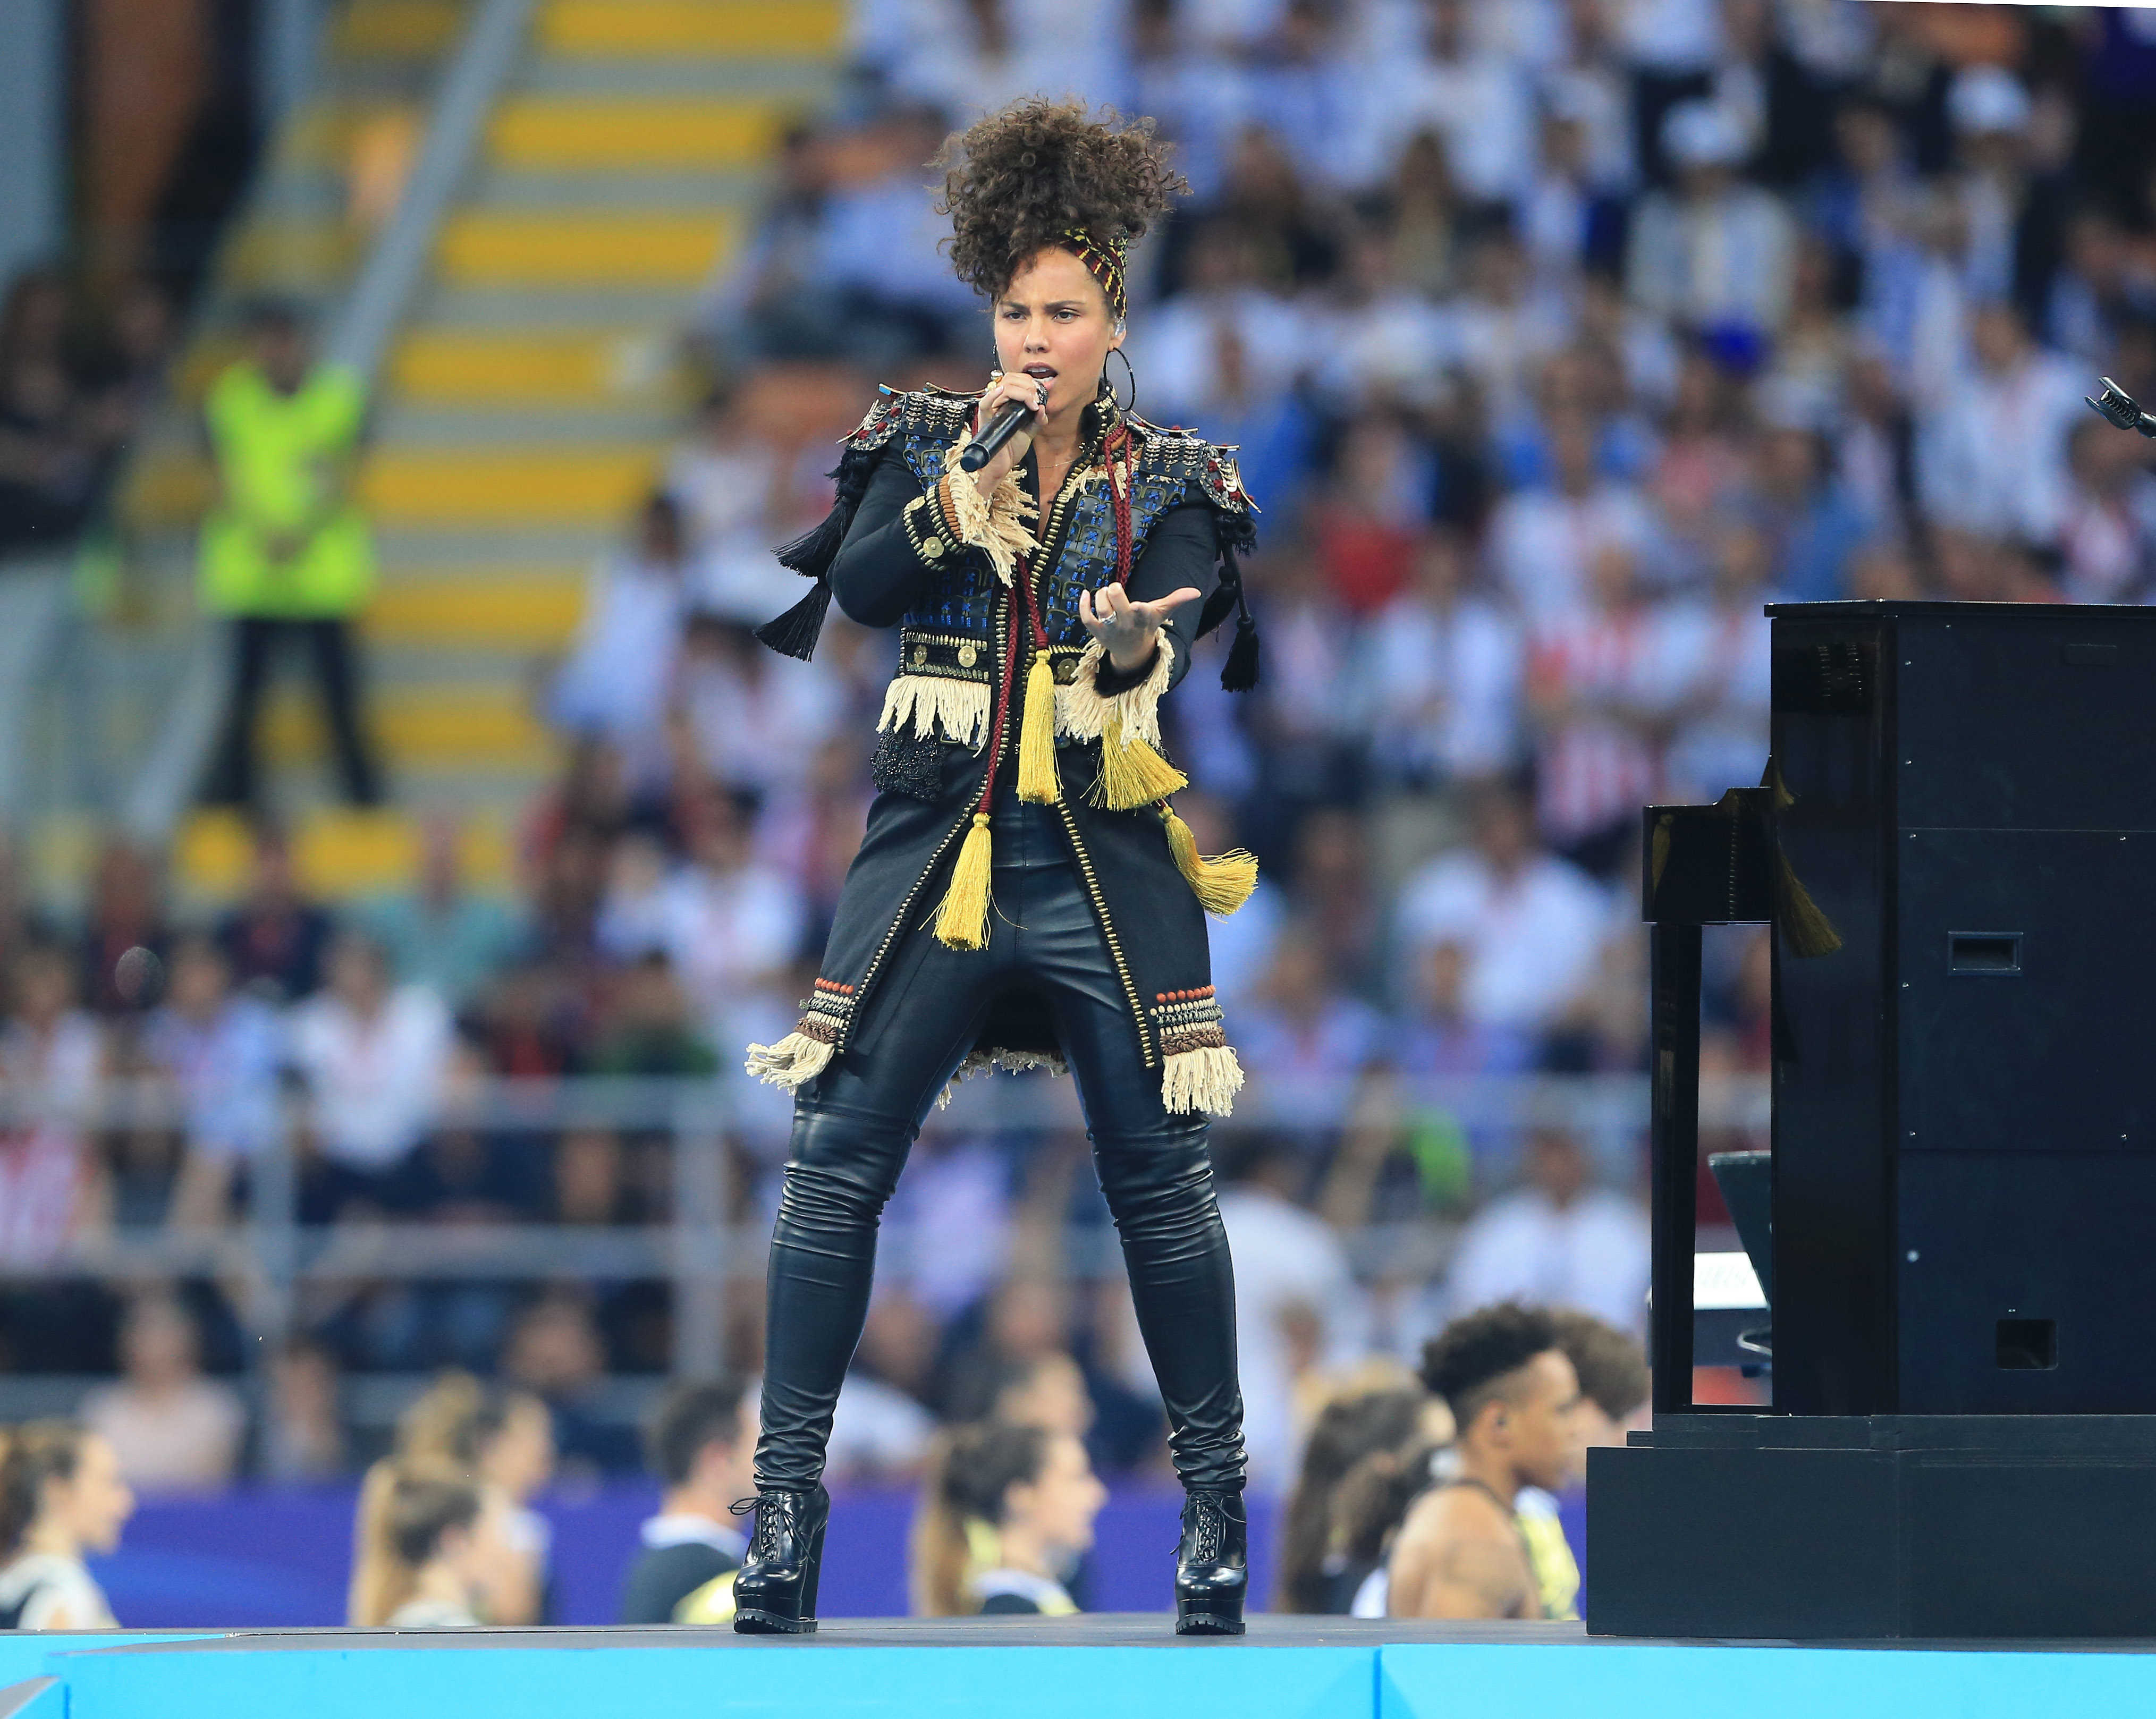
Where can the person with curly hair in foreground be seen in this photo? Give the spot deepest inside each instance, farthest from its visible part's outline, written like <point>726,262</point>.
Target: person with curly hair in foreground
<point>1465,1549</point>
<point>1025,896</point>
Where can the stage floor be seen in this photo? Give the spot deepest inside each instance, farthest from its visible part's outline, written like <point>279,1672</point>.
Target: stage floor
<point>1079,1668</point>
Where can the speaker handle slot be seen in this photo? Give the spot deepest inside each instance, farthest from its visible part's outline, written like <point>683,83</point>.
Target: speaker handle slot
<point>1984,954</point>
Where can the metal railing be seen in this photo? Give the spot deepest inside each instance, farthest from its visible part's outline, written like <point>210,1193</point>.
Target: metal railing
<point>705,1240</point>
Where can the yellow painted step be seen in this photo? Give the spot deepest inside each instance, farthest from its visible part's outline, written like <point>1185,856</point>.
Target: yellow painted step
<point>698,27</point>
<point>532,486</point>
<point>510,608</point>
<point>474,727</point>
<point>338,853</point>
<point>555,132</point>
<point>167,488</point>
<point>292,255</point>
<point>484,249</point>
<point>395,29</point>
<point>323,134</point>
<point>555,367</point>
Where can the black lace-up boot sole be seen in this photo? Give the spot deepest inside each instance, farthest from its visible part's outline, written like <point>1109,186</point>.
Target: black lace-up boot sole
<point>775,1590</point>
<point>1198,1617</point>
<point>1212,1566</point>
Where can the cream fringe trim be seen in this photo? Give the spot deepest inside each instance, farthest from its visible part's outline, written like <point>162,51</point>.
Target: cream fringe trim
<point>996,525</point>
<point>1011,1062</point>
<point>1205,1081</point>
<point>960,708</point>
<point>792,1063</point>
<point>1082,710</point>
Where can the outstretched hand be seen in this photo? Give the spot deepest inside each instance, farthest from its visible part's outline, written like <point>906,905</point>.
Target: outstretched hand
<point>1127,631</point>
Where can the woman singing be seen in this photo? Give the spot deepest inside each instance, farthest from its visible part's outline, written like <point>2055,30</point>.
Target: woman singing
<point>1024,895</point>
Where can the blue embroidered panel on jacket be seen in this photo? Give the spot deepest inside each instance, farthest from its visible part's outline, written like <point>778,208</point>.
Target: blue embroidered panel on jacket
<point>1088,560</point>
<point>961,594</point>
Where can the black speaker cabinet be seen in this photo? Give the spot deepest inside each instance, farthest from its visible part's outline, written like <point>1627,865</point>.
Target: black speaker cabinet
<point>1955,841</point>
<point>1964,1136</point>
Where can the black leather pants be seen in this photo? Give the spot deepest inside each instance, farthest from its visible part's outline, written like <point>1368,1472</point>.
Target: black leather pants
<point>854,1123</point>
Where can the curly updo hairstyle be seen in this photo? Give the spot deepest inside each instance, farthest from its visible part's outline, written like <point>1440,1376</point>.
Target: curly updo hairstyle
<point>1020,179</point>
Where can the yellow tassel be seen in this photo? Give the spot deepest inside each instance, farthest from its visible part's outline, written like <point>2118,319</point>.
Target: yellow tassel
<point>1037,779</point>
<point>1222,883</point>
<point>1132,774</point>
<point>963,921</point>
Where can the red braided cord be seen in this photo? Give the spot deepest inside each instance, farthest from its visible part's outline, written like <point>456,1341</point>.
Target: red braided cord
<point>1032,605</point>
<point>1003,706</point>
<point>1120,449</point>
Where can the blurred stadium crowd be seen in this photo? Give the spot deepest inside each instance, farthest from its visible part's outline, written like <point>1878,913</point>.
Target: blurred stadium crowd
<point>1557,337</point>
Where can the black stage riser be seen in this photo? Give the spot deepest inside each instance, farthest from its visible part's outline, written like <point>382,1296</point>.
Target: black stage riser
<point>1994,1538</point>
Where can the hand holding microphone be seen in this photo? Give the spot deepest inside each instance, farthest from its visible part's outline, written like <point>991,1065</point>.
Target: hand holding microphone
<point>1005,417</point>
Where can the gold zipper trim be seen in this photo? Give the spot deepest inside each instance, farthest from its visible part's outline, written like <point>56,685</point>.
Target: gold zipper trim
<point>1108,931</point>
<point>1051,547</point>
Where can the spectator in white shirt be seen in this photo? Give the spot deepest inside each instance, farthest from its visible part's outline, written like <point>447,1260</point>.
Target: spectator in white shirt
<point>1716,251</point>
<point>1505,325</point>
<point>222,1050</point>
<point>1989,111</point>
<point>1531,926</point>
<point>1991,457</point>
<point>1480,100</point>
<point>731,926</point>
<point>1304,1036</point>
<point>52,1061</point>
<point>720,475</point>
<point>1440,670</point>
<point>52,1053</point>
<point>613,685</point>
<point>1721,660</point>
<point>1296,1301</point>
<point>373,1055</point>
<point>2109,540</point>
<point>742,716</point>
<point>172,1428</point>
<point>1178,342</point>
<point>1560,1241</point>
<point>1543,539</point>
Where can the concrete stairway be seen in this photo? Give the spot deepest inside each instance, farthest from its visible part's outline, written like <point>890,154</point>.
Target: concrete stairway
<point>529,399</point>
<point>526,402</point>
<point>300,236</point>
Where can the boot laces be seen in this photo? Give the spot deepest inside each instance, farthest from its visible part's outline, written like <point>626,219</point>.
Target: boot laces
<point>1207,1529</point>
<point>770,1510</point>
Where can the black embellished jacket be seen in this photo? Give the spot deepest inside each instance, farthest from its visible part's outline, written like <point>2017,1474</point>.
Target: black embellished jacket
<point>980,590</point>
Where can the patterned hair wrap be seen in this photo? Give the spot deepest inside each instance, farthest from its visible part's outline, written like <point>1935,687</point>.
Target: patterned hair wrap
<point>1104,263</point>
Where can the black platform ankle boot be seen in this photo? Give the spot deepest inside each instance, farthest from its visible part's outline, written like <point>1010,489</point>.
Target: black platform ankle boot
<point>775,1589</point>
<point>1212,1565</point>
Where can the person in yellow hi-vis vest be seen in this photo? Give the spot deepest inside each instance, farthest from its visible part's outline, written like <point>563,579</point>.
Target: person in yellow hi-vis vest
<point>285,552</point>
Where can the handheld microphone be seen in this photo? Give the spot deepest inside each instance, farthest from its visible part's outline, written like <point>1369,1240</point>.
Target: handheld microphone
<point>990,443</point>
<point>2119,406</point>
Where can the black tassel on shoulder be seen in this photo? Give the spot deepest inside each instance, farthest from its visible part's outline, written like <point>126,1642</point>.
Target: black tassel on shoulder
<point>1216,606</point>
<point>795,633</point>
<point>1239,673</point>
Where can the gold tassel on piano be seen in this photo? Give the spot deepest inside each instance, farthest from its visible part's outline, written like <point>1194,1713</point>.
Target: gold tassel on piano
<point>1221,882</point>
<point>1037,779</point>
<point>962,921</point>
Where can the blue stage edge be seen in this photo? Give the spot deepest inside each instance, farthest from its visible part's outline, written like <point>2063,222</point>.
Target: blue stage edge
<point>1127,1666</point>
